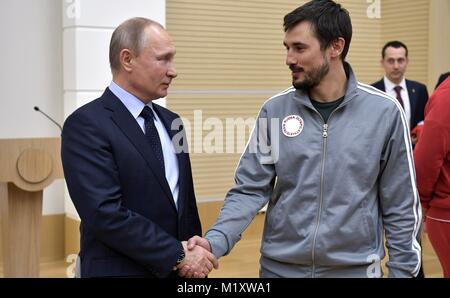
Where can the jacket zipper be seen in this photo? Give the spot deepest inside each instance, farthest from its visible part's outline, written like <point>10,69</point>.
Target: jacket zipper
<point>324,153</point>
<point>324,156</point>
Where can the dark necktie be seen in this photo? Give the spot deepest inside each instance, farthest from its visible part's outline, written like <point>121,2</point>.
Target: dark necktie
<point>151,133</point>
<point>398,90</point>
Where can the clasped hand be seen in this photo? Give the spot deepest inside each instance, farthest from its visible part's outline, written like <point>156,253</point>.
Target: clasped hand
<point>199,261</point>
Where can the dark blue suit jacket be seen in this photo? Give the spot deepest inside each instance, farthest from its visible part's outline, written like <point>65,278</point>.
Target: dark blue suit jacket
<point>418,97</point>
<point>130,225</point>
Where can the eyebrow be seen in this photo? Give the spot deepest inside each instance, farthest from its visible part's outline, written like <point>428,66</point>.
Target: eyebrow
<point>166,52</point>
<point>295,44</point>
<point>400,58</point>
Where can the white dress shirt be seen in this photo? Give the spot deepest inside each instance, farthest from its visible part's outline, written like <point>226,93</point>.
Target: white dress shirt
<point>389,85</point>
<point>135,106</point>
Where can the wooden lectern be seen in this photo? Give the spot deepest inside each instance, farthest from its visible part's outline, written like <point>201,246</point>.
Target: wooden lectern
<point>27,166</point>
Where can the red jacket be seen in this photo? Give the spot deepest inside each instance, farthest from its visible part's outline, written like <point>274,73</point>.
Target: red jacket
<point>432,155</point>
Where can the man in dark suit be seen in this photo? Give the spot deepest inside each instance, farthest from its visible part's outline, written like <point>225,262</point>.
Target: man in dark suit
<point>132,186</point>
<point>412,95</point>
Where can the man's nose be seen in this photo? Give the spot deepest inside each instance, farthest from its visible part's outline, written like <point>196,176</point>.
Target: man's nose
<point>396,64</point>
<point>172,72</point>
<point>290,60</point>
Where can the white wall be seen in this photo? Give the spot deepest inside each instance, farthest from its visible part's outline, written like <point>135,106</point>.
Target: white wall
<point>55,56</point>
<point>87,28</point>
<point>31,75</point>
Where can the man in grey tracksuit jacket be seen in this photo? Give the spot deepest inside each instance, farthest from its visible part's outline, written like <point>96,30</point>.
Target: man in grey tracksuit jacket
<point>333,189</point>
<point>332,158</point>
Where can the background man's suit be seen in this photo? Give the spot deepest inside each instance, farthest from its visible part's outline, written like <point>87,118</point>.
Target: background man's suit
<point>418,96</point>
<point>130,224</point>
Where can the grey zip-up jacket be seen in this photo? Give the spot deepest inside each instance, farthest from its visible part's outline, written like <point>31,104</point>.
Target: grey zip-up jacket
<point>332,189</point>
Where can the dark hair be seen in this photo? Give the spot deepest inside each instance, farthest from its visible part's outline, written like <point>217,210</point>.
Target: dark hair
<point>329,21</point>
<point>394,44</point>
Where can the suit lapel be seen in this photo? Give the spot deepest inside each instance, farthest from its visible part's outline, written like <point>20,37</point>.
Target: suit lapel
<point>412,94</point>
<point>175,135</point>
<point>382,85</point>
<point>128,125</point>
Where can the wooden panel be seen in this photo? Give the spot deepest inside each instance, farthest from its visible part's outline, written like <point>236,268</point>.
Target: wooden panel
<point>52,238</point>
<point>438,41</point>
<point>365,45</point>
<point>19,154</point>
<point>20,214</point>
<point>408,22</point>
<point>229,117</point>
<point>229,44</point>
<point>72,236</point>
<point>34,165</point>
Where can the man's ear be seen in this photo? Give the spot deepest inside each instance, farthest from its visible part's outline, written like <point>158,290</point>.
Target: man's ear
<point>126,59</point>
<point>337,47</point>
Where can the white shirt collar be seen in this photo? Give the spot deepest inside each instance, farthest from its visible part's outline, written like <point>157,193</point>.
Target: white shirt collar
<point>389,85</point>
<point>131,102</point>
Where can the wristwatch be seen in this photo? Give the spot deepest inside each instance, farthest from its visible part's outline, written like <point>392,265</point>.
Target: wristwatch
<point>181,256</point>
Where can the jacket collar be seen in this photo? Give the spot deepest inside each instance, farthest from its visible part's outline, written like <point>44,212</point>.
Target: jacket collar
<point>389,85</point>
<point>352,85</point>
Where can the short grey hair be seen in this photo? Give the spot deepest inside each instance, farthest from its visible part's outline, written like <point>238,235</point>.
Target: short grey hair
<point>129,35</point>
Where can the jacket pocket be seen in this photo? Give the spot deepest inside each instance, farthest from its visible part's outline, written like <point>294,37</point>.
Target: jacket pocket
<point>370,227</point>
<point>273,216</point>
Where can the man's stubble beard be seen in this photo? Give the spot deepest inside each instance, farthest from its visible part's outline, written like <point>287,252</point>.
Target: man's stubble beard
<point>313,77</point>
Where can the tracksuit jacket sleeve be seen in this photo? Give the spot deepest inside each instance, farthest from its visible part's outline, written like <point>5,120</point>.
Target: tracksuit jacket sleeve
<point>399,200</point>
<point>254,180</point>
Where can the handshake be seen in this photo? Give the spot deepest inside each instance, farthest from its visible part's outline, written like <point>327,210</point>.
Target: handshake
<point>198,261</point>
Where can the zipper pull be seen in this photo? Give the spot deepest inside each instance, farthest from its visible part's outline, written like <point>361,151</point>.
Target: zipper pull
<point>325,130</point>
